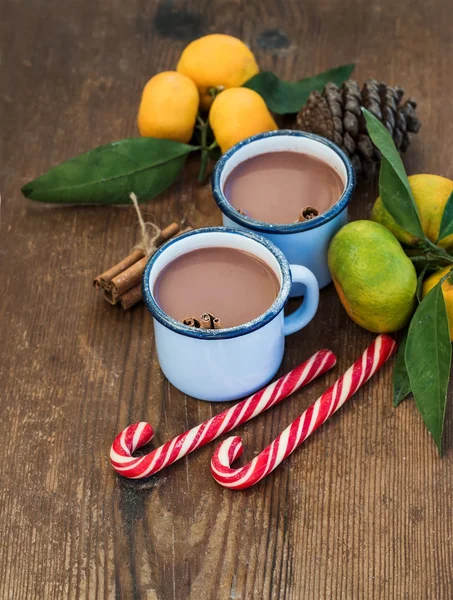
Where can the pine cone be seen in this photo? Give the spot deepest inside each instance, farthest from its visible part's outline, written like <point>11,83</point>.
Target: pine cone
<point>335,114</point>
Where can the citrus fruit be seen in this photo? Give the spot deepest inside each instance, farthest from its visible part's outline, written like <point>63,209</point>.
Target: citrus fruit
<point>447,291</point>
<point>430,193</point>
<point>215,62</point>
<point>169,107</point>
<point>375,280</point>
<point>238,113</point>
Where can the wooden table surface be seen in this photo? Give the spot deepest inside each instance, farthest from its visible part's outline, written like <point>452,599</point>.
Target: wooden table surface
<point>364,509</point>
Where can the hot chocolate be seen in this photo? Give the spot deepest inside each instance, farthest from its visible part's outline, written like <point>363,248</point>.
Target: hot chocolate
<point>231,284</point>
<point>276,186</point>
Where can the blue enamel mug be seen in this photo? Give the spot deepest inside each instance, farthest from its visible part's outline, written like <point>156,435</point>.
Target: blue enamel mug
<point>303,243</point>
<point>226,364</point>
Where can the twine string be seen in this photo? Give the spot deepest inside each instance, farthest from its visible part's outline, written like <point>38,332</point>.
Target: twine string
<point>149,230</point>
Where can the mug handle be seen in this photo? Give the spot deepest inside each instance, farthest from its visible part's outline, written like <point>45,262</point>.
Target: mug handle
<point>307,310</point>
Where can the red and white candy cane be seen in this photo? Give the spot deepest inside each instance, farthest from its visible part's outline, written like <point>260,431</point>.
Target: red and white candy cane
<point>139,434</point>
<point>371,360</point>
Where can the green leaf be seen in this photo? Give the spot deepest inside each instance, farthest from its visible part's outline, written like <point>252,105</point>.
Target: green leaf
<point>401,385</point>
<point>446,225</point>
<point>108,174</point>
<point>283,97</point>
<point>397,201</point>
<point>428,360</point>
<point>382,139</point>
<point>394,187</point>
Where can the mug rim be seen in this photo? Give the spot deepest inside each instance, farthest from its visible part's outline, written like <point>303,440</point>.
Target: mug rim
<point>282,228</point>
<point>229,332</point>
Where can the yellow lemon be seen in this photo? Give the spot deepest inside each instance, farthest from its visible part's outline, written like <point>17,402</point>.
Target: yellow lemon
<point>169,107</point>
<point>217,62</point>
<point>375,280</point>
<point>447,291</point>
<point>430,193</point>
<point>238,113</point>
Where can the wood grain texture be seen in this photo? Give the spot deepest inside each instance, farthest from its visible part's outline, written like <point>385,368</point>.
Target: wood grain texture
<point>364,509</point>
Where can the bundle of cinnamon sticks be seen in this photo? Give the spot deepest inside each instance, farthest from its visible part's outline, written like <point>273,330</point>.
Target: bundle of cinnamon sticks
<point>206,321</point>
<point>123,282</point>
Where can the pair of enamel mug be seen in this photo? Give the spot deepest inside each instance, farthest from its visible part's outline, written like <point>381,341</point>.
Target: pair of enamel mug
<point>227,364</point>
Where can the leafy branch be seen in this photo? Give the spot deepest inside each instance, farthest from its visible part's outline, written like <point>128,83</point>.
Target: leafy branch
<point>424,359</point>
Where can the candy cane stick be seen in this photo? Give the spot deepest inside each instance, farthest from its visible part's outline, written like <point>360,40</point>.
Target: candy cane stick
<point>371,360</point>
<point>139,434</point>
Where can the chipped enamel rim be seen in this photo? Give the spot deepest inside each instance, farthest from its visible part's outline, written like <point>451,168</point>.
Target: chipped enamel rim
<point>231,332</point>
<point>281,228</point>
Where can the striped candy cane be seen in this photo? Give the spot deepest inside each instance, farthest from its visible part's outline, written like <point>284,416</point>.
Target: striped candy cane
<point>139,434</point>
<point>371,360</point>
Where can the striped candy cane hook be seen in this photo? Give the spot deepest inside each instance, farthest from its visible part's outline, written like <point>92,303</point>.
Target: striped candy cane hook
<point>139,434</point>
<point>357,375</point>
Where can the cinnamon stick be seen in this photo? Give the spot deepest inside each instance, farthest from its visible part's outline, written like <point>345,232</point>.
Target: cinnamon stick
<point>191,322</point>
<point>185,230</point>
<point>128,278</point>
<point>308,213</point>
<point>103,280</point>
<point>206,321</point>
<point>167,233</point>
<point>110,299</point>
<point>131,297</point>
<point>217,323</point>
